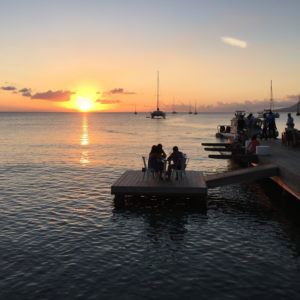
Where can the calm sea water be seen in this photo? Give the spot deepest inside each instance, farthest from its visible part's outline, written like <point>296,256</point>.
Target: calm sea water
<point>62,238</point>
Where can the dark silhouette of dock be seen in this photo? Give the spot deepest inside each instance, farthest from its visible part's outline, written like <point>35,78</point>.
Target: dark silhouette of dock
<point>138,183</point>
<point>192,185</point>
<point>282,166</point>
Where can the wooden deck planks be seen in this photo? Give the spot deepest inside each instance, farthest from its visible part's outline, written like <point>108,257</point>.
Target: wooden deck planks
<point>134,183</point>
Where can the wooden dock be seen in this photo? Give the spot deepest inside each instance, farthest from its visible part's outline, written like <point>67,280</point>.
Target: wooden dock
<point>193,185</point>
<point>283,166</point>
<point>288,161</point>
<point>137,183</point>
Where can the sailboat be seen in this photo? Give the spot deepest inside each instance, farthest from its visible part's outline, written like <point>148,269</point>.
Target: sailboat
<point>298,107</point>
<point>195,112</point>
<point>190,109</point>
<point>135,112</point>
<point>174,111</point>
<point>157,113</point>
<point>271,109</point>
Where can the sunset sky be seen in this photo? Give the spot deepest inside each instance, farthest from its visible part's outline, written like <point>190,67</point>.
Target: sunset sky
<point>97,55</point>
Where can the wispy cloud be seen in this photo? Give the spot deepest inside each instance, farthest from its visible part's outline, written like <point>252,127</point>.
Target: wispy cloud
<point>120,91</point>
<point>53,95</point>
<point>25,92</point>
<point>234,42</point>
<point>8,88</point>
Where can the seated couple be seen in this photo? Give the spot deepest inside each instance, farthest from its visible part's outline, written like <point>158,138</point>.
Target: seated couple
<point>157,159</point>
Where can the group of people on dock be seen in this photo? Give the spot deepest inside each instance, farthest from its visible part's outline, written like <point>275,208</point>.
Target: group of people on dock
<point>158,160</point>
<point>250,128</point>
<point>265,127</point>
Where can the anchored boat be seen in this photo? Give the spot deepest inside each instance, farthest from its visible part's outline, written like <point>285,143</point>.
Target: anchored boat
<point>230,131</point>
<point>157,113</point>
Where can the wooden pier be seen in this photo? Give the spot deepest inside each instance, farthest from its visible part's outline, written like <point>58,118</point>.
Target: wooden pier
<point>286,158</point>
<point>138,183</point>
<point>282,166</point>
<point>192,185</point>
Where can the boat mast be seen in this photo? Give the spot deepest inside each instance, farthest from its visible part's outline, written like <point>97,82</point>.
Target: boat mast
<point>271,99</point>
<point>157,94</point>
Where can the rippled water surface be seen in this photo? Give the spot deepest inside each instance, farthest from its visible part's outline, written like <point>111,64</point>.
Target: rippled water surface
<point>62,238</point>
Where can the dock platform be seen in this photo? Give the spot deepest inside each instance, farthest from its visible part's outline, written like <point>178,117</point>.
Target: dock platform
<point>282,166</point>
<point>137,183</point>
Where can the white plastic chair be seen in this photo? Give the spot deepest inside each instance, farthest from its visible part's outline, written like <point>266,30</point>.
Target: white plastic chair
<point>180,172</point>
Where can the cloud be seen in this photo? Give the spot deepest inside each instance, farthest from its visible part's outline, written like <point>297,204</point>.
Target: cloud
<point>25,92</point>
<point>8,88</point>
<point>254,105</point>
<point>53,95</point>
<point>120,91</point>
<point>234,42</point>
<point>247,105</point>
<point>107,101</point>
<point>293,97</point>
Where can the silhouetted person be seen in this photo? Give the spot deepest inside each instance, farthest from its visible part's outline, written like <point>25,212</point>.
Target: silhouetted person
<point>161,151</point>
<point>290,122</point>
<point>154,161</point>
<point>271,125</point>
<point>175,161</point>
<point>264,133</point>
<point>241,124</point>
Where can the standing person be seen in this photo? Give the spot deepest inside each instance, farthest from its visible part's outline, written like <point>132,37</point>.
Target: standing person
<point>250,124</point>
<point>177,158</point>
<point>271,125</point>
<point>241,123</point>
<point>264,133</point>
<point>290,122</point>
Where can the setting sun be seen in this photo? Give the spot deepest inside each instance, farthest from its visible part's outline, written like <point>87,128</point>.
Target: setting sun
<point>84,104</point>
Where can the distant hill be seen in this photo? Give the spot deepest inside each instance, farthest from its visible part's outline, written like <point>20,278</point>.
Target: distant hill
<point>292,108</point>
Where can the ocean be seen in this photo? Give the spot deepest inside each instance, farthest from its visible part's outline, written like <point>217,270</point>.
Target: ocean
<point>62,238</point>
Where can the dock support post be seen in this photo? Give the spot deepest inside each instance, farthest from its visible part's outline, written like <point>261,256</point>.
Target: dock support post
<point>119,201</point>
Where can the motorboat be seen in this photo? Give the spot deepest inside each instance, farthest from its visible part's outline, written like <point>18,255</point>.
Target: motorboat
<point>230,131</point>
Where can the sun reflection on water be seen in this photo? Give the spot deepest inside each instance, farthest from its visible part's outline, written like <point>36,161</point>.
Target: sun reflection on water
<point>84,141</point>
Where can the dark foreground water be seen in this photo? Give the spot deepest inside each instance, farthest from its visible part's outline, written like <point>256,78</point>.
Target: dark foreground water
<point>62,238</point>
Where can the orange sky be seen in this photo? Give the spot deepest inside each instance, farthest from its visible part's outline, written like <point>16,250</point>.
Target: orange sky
<point>109,54</point>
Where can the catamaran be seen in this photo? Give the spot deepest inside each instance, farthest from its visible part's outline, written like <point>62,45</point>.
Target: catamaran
<point>157,113</point>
